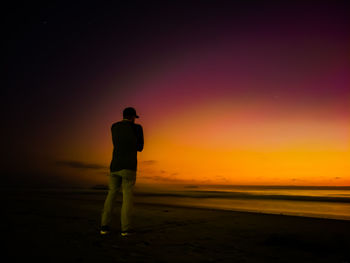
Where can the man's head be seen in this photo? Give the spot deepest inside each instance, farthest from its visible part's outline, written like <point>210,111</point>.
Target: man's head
<point>130,114</point>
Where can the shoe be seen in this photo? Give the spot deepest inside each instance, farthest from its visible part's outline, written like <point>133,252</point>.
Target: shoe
<point>127,233</point>
<point>105,230</point>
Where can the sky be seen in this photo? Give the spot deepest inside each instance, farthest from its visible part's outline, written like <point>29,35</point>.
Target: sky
<point>228,92</point>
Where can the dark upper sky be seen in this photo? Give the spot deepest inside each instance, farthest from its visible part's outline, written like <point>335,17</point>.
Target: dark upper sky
<point>62,56</point>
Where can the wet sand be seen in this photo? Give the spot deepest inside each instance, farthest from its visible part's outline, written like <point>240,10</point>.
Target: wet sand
<point>63,227</point>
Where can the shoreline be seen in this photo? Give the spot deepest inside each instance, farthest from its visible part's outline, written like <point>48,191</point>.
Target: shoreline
<point>241,211</point>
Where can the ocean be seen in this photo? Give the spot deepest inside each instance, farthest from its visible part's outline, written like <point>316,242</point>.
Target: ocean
<point>321,202</point>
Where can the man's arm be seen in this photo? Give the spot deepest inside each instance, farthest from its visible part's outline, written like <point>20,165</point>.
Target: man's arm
<point>139,138</point>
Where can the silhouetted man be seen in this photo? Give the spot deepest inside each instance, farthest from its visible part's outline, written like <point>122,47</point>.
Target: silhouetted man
<point>127,140</point>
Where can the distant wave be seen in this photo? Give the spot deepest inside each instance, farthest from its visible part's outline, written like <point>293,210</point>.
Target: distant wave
<point>239,195</point>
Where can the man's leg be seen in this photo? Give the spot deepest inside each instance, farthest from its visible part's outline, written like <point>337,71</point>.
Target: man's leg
<point>129,180</point>
<point>113,189</point>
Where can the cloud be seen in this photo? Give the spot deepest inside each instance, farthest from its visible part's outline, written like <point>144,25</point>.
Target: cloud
<point>297,179</point>
<point>336,178</point>
<point>162,178</point>
<point>149,162</point>
<point>80,165</point>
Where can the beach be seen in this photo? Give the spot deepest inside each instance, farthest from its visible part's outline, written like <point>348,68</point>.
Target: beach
<point>63,227</point>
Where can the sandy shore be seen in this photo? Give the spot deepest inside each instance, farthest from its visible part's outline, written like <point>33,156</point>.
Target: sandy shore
<point>64,228</point>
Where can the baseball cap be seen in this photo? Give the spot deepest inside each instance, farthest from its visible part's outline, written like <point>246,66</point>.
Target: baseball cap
<point>130,111</point>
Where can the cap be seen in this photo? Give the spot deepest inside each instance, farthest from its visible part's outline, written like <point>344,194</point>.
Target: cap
<point>130,112</point>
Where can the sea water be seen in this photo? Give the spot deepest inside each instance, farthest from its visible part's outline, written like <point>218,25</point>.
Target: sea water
<point>322,202</point>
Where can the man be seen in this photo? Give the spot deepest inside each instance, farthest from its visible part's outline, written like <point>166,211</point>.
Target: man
<point>127,140</point>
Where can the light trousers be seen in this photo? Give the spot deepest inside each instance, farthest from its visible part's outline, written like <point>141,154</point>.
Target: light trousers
<point>124,179</point>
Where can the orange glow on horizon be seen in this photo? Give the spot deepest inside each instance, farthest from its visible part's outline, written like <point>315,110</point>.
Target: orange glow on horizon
<point>203,146</point>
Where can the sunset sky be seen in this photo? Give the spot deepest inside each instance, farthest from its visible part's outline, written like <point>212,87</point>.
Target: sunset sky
<point>249,93</point>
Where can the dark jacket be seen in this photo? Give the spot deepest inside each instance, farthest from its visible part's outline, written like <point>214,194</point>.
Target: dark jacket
<point>127,140</point>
